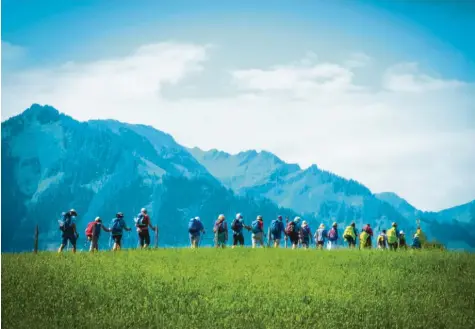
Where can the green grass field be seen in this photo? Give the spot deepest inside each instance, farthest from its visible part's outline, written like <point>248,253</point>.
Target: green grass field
<point>242,288</point>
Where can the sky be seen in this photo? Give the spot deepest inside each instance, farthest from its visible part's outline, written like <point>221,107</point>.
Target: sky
<point>381,92</point>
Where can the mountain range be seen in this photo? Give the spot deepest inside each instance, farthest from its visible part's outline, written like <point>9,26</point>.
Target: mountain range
<point>51,163</point>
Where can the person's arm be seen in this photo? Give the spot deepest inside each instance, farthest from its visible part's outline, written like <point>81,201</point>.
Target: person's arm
<point>125,227</point>
<point>74,230</point>
<point>226,230</point>
<point>105,228</point>
<point>151,226</point>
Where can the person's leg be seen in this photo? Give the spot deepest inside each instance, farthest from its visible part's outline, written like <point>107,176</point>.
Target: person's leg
<point>235,240</point>
<point>146,239</point>
<point>254,241</point>
<point>73,241</point>
<point>241,239</point>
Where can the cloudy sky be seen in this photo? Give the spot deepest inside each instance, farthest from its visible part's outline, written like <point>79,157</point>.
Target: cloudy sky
<point>381,93</point>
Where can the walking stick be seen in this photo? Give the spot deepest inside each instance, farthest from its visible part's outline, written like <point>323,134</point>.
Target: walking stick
<point>156,237</point>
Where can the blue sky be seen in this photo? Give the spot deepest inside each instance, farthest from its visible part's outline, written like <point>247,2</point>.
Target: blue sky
<point>377,91</point>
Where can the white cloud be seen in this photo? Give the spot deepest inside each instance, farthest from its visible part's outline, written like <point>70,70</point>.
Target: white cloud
<point>302,78</point>
<point>358,60</point>
<point>11,52</point>
<point>418,145</point>
<point>406,77</point>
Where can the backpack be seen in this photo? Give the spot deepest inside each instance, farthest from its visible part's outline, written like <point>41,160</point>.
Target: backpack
<point>349,232</point>
<point>66,223</point>
<point>392,237</point>
<point>193,226</point>
<point>290,228</point>
<point>332,234</point>
<point>255,227</point>
<point>275,227</point>
<point>236,225</point>
<point>116,226</point>
<point>139,220</point>
<point>305,231</point>
<point>219,227</point>
<point>90,228</point>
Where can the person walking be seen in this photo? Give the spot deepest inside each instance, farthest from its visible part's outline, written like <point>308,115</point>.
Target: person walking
<point>67,225</point>
<point>237,227</point>
<point>221,231</point>
<point>305,235</point>
<point>320,236</point>
<point>350,235</point>
<point>277,229</point>
<point>143,223</point>
<point>195,229</point>
<point>93,233</point>
<point>257,229</point>
<point>333,237</point>
<point>117,230</point>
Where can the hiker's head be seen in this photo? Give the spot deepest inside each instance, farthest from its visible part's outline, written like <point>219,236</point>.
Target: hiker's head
<point>238,216</point>
<point>279,217</point>
<point>259,218</point>
<point>367,225</point>
<point>197,218</point>
<point>73,212</point>
<point>401,232</point>
<point>143,211</point>
<point>394,224</point>
<point>297,219</point>
<point>384,231</point>
<point>335,224</point>
<point>353,224</point>
<point>221,217</point>
<point>98,220</point>
<point>119,215</point>
<point>304,223</point>
<point>322,225</point>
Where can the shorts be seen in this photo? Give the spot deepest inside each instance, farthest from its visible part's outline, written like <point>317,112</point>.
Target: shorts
<point>117,239</point>
<point>305,241</point>
<point>238,238</point>
<point>294,238</point>
<point>70,238</point>
<point>276,236</point>
<point>351,241</point>
<point>258,238</point>
<point>144,238</point>
<point>392,246</point>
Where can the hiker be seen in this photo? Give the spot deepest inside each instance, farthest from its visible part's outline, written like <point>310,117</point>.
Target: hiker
<point>221,231</point>
<point>237,226</point>
<point>365,240</point>
<point>142,222</point>
<point>276,230</point>
<point>393,237</point>
<point>257,229</point>
<point>195,228</point>
<point>117,228</point>
<point>382,240</point>
<point>68,227</point>
<point>93,232</point>
<point>320,236</point>
<point>292,231</point>
<point>419,239</point>
<point>368,230</point>
<point>421,236</point>
<point>350,235</point>
<point>402,240</point>
<point>333,237</point>
<point>305,233</point>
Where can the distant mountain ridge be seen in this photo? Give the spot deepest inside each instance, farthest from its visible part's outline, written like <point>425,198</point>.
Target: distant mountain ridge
<point>51,162</point>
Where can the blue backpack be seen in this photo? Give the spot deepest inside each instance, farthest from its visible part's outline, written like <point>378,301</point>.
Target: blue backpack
<point>275,227</point>
<point>255,227</point>
<point>194,226</point>
<point>116,226</point>
<point>67,223</point>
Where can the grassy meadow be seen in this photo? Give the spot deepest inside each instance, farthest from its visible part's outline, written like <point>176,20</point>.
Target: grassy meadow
<point>240,288</point>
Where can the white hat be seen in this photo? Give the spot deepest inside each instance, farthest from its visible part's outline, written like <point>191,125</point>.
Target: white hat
<point>238,216</point>
<point>143,210</point>
<point>297,219</point>
<point>401,232</point>
<point>197,218</point>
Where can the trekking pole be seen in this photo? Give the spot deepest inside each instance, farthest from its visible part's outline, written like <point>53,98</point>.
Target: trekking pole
<point>37,233</point>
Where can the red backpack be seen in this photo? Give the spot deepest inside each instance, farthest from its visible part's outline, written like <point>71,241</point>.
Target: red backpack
<point>290,228</point>
<point>90,228</point>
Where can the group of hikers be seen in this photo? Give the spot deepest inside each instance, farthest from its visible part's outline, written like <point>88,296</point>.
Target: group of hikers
<point>67,225</point>
<point>296,231</point>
